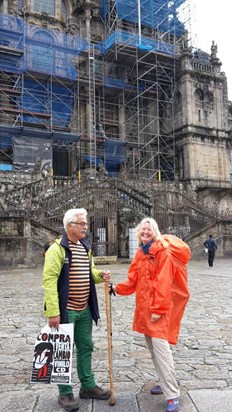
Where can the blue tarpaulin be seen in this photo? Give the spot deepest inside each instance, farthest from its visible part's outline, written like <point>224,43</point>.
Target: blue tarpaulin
<point>160,14</point>
<point>131,39</point>
<point>38,49</point>
<point>5,141</point>
<point>115,155</point>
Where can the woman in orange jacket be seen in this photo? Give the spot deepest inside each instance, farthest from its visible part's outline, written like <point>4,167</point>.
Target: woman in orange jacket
<point>158,276</point>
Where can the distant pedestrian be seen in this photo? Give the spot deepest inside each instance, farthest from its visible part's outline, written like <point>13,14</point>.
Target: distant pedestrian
<point>211,245</point>
<point>46,246</point>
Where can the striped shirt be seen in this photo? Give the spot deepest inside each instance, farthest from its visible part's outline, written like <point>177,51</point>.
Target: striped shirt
<point>79,278</point>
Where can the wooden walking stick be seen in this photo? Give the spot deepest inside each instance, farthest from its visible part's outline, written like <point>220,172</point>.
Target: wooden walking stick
<point>112,400</point>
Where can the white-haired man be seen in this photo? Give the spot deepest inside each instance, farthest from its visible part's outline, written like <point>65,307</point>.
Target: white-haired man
<point>69,278</point>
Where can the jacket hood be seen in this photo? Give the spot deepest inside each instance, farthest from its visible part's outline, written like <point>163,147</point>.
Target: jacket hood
<point>179,249</point>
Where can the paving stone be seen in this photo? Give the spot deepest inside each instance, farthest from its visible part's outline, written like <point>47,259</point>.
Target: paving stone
<point>48,402</point>
<point>153,403</point>
<point>17,401</point>
<point>124,403</point>
<point>212,400</point>
<point>202,356</point>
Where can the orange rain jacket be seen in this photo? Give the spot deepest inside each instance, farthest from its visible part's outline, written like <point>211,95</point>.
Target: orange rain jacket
<point>159,279</point>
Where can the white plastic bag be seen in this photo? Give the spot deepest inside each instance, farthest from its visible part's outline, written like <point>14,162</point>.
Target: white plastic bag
<point>206,250</point>
<point>52,360</point>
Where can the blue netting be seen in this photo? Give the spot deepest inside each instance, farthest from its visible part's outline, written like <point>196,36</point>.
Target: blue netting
<point>131,39</point>
<point>111,82</point>
<point>62,105</point>
<point>104,8</point>
<point>35,98</point>
<point>115,155</point>
<point>5,141</point>
<point>92,160</point>
<point>45,6</point>
<point>157,14</point>
<point>38,49</point>
<point>5,166</point>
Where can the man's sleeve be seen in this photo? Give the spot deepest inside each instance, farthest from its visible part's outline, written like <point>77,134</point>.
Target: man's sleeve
<point>95,272</point>
<point>51,272</point>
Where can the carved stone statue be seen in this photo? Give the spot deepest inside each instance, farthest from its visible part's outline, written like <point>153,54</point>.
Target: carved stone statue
<point>214,50</point>
<point>184,41</point>
<point>185,48</point>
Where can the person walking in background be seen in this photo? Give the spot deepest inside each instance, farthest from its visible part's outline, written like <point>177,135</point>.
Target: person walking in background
<point>158,276</point>
<point>46,246</point>
<point>69,278</point>
<point>211,245</point>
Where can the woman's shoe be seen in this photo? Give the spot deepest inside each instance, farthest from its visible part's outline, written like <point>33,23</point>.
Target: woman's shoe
<point>156,390</point>
<point>173,405</point>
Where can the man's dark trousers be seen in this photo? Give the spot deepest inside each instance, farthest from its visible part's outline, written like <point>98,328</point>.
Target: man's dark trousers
<point>211,254</point>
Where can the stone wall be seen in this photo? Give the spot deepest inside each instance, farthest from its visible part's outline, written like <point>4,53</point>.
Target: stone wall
<point>221,232</point>
<point>10,180</point>
<point>21,242</point>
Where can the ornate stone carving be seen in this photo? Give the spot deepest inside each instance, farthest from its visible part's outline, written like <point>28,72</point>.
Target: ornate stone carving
<point>214,50</point>
<point>185,48</point>
<point>12,12</point>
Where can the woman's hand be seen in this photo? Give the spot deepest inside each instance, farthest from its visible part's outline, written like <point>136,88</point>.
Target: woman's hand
<point>155,317</point>
<point>112,289</point>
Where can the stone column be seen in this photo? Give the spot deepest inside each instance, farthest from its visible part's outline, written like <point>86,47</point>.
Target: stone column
<point>122,118</point>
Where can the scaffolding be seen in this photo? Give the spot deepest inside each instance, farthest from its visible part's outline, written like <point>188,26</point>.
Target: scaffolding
<point>38,88</point>
<point>143,41</point>
<point>117,96</point>
<point>37,74</point>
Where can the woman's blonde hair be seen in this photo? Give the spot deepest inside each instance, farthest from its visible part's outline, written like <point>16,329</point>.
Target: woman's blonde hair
<point>154,228</point>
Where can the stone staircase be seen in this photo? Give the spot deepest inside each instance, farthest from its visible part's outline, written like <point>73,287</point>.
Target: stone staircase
<point>45,201</point>
<point>48,199</point>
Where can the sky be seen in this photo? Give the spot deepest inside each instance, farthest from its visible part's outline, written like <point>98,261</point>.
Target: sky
<point>211,20</point>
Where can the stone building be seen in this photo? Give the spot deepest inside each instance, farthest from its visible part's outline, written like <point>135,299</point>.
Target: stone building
<point>107,105</point>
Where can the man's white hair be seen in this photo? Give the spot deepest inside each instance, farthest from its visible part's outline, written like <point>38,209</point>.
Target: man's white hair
<point>154,228</point>
<point>71,216</point>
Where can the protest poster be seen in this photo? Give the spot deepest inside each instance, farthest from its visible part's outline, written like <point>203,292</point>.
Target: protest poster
<point>52,360</point>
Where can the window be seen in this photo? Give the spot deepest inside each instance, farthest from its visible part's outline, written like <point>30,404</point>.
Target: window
<point>42,53</point>
<point>45,6</point>
<point>64,11</point>
<point>20,4</point>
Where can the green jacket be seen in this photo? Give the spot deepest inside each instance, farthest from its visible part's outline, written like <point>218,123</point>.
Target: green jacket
<point>56,279</point>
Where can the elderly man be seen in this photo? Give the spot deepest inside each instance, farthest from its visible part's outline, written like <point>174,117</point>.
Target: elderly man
<point>69,278</point>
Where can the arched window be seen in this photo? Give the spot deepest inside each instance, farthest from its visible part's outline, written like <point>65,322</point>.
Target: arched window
<point>64,11</point>
<point>43,54</point>
<point>44,6</point>
<point>209,98</point>
<point>19,6</point>
<point>199,97</point>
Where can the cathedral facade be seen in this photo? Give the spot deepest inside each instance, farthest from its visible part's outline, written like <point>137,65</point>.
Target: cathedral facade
<point>102,90</point>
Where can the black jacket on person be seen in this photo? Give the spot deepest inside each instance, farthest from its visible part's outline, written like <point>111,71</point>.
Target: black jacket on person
<point>210,244</point>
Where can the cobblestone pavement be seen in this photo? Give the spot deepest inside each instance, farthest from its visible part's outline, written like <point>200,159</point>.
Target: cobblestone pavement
<point>202,356</point>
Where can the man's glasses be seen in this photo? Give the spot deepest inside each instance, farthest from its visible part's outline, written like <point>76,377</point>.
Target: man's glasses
<point>82,224</point>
